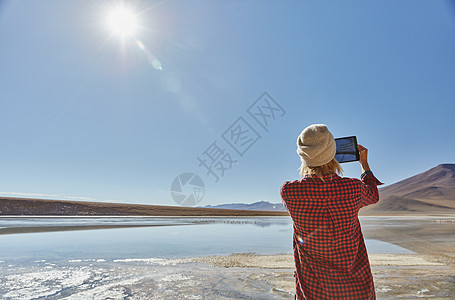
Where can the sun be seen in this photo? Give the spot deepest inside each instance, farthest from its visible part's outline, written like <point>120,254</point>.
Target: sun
<point>122,21</point>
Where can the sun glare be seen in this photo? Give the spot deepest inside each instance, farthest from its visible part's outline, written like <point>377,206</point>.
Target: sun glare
<point>122,21</point>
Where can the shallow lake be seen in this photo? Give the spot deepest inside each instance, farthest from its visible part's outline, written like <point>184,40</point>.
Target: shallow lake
<point>159,237</point>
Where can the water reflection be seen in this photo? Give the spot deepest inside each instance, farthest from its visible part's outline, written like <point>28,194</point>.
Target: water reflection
<point>158,237</point>
<point>55,222</point>
<point>174,238</point>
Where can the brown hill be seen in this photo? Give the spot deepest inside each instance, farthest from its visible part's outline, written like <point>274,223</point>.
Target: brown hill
<point>25,206</point>
<point>430,192</point>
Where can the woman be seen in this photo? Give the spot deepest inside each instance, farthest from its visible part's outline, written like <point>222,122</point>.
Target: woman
<point>331,261</point>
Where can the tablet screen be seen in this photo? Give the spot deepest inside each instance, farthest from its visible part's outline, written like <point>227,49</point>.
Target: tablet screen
<point>346,149</point>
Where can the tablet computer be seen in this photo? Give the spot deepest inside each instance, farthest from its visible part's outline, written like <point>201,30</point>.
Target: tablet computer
<point>346,149</point>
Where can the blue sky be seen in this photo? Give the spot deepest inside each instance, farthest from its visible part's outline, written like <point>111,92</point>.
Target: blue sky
<point>87,116</point>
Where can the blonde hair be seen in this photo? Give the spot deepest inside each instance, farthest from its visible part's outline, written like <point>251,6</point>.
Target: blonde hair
<point>331,167</point>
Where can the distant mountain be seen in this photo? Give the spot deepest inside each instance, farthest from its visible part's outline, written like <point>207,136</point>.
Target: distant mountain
<point>261,205</point>
<point>430,192</point>
<point>25,206</point>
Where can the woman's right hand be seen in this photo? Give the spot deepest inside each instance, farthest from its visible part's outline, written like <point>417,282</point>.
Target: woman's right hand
<point>363,158</point>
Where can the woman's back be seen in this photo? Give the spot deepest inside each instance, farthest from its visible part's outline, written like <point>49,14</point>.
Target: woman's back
<point>325,216</point>
<point>329,251</point>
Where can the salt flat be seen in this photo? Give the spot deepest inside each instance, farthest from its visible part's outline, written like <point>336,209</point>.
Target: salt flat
<point>236,276</point>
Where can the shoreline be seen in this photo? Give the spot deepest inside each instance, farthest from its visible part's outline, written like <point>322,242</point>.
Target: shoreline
<point>41,229</point>
<point>286,261</point>
<point>145,216</point>
<point>243,216</point>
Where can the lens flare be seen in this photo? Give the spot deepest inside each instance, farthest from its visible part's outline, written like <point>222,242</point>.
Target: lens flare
<point>139,43</point>
<point>150,57</point>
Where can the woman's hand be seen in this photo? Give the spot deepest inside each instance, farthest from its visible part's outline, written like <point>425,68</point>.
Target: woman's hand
<point>363,158</point>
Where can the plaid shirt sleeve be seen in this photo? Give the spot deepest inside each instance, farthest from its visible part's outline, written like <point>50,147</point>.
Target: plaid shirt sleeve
<point>370,194</point>
<point>330,256</point>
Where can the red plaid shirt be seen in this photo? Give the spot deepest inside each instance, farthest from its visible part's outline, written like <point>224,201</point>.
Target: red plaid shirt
<point>331,260</point>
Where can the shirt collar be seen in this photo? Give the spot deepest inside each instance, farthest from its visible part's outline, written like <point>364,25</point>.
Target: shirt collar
<point>327,177</point>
